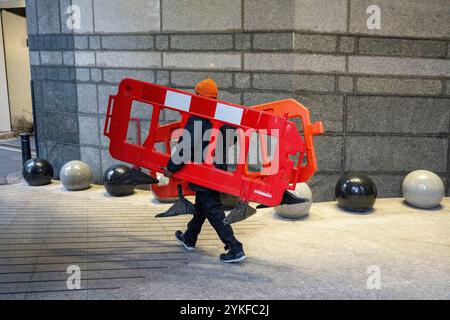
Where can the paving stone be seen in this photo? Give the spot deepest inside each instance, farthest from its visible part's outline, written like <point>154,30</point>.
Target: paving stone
<point>121,17</point>
<point>201,15</point>
<point>397,115</point>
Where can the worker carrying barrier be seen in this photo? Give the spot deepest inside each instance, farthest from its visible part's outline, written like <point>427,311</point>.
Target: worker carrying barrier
<point>285,156</point>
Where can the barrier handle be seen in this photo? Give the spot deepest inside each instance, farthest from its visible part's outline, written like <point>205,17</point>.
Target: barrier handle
<point>108,116</point>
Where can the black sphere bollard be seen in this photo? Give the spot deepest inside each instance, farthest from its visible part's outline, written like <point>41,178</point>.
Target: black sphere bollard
<point>26,147</point>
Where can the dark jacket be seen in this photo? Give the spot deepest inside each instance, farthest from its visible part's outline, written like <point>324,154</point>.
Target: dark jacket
<point>196,141</point>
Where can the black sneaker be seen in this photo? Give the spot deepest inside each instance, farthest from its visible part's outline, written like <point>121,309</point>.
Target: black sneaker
<point>233,255</point>
<point>180,238</point>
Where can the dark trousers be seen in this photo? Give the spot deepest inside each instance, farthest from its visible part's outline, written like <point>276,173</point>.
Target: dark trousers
<point>209,206</point>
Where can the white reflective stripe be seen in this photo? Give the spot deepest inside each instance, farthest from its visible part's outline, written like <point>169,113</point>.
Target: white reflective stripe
<point>177,100</point>
<point>262,193</point>
<point>228,113</point>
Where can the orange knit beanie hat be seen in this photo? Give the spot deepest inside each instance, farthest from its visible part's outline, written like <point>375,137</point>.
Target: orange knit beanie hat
<point>207,88</point>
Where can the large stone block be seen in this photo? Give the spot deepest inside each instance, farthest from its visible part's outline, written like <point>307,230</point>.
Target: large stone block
<point>243,41</point>
<point>87,98</point>
<point>326,108</point>
<point>412,18</point>
<point>347,45</point>
<point>128,59</point>
<point>329,153</point>
<point>91,156</point>
<point>62,127</point>
<point>345,84</point>
<point>84,58</point>
<point>255,98</point>
<point>89,130</point>
<point>201,15</point>
<point>202,42</point>
<point>399,66</point>
<point>129,42</point>
<point>242,80</point>
<point>35,58</point>
<point>48,17</point>
<point>104,91</point>
<point>217,61</point>
<point>231,97</point>
<point>273,41</point>
<point>399,86</point>
<point>293,62</point>
<point>315,43</point>
<point>32,20</point>
<point>59,96</point>
<point>71,22</point>
<point>191,78</point>
<point>322,186</point>
<point>124,16</point>
<point>402,47</point>
<point>117,75</point>
<point>273,81</point>
<point>268,15</point>
<point>51,57</point>
<point>398,115</point>
<point>321,15</point>
<point>60,153</point>
<point>388,186</point>
<point>317,83</point>
<point>396,154</point>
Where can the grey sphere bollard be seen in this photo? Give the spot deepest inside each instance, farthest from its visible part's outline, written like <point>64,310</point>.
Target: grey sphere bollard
<point>299,210</point>
<point>423,189</point>
<point>76,175</point>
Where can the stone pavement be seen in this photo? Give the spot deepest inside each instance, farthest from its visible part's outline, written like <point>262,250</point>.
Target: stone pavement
<point>124,252</point>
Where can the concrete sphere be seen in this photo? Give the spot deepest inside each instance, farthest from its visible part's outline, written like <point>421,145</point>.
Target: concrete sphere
<point>299,210</point>
<point>423,189</point>
<point>76,175</point>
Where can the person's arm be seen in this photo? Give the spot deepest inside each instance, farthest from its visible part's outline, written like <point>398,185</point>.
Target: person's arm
<point>173,167</point>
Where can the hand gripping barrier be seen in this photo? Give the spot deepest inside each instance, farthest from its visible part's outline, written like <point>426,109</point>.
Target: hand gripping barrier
<point>271,121</point>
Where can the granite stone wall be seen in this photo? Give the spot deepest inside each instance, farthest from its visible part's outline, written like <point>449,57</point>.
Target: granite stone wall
<point>383,94</point>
